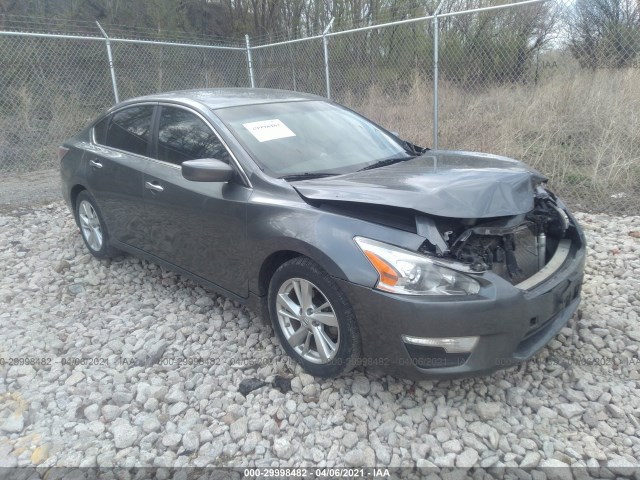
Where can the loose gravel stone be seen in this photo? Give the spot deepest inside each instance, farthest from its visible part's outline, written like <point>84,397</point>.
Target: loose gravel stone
<point>14,423</point>
<point>122,398</point>
<point>556,469</point>
<point>96,427</point>
<point>468,458</point>
<point>452,446</point>
<point>282,448</point>
<point>361,385</point>
<point>151,424</point>
<point>615,411</point>
<point>251,442</point>
<point>190,441</point>
<point>92,412</point>
<point>171,440</point>
<point>350,439</point>
<point>569,410</point>
<point>488,410</point>
<point>238,429</point>
<point>621,466</point>
<point>177,408</point>
<point>124,435</point>
<point>175,396</point>
<point>530,460</point>
<point>110,412</point>
<point>354,458</point>
<point>74,378</point>
<point>310,390</point>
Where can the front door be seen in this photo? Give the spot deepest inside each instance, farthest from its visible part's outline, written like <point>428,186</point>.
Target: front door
<point>198,226</point>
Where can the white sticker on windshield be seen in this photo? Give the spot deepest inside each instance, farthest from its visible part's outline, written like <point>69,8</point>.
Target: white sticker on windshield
<point>266,130</point>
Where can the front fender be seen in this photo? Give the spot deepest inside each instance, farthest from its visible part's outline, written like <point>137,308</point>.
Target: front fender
<point>325,237</point>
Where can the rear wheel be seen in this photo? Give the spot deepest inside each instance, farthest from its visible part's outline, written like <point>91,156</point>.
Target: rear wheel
<point>313,318</point>
<point>92,227</point>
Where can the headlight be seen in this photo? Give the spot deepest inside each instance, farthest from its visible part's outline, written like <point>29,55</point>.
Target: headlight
<point>408,273</point>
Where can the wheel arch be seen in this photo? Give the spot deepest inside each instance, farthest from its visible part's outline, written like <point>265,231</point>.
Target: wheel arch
<point>270,263</point>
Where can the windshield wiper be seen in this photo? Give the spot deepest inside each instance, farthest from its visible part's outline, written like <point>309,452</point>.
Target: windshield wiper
<point>308,176</point>
<point>388,161</point>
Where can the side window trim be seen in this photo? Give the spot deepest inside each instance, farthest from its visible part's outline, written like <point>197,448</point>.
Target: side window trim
<point>93,136</point>
<point>93,129</point>
<point>155,125</point>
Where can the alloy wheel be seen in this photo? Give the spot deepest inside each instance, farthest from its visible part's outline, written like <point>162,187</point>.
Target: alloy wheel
<point>90,225</point>
<point>308,320</point>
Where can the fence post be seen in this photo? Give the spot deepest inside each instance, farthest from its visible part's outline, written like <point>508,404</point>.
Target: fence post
<point>111,67</point>
<point>435,75</point>
<point>293,70</point>
<point>326,58</point>
<point>249,62</point>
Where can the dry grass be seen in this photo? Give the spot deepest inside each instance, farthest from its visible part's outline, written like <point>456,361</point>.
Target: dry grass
<point>580,128</point>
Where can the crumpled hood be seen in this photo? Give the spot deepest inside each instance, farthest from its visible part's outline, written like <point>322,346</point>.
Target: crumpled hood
<point>444,183</point>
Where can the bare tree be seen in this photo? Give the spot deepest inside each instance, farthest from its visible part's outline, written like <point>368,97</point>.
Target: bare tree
<point>604,32</point>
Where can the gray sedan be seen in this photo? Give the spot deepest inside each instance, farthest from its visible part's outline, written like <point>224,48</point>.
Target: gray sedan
<point>360,247</point>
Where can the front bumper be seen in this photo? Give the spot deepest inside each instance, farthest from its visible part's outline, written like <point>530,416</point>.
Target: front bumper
<point>512,324</point>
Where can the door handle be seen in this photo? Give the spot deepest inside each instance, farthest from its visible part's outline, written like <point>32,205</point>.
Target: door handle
<point>153,186</point>
<point>95,163</point>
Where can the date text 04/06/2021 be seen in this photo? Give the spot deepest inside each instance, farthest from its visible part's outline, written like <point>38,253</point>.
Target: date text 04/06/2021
<point>258,473</point>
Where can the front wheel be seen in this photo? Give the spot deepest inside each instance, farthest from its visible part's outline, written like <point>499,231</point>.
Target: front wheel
<point>313,318</point>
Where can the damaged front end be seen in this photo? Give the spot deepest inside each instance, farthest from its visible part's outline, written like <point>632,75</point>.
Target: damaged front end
<point>477,212</point>
<point>523,249</point>
<point>478,264</point>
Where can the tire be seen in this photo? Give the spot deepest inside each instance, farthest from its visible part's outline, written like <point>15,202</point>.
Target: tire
<point>93,229</point>
<point>323,336</point>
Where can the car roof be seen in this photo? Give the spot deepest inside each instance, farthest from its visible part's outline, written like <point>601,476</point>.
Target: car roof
<point>216,98</point>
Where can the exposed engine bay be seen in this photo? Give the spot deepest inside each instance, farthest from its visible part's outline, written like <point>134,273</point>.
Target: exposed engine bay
<point>520,247</point>
<point>515,248</point>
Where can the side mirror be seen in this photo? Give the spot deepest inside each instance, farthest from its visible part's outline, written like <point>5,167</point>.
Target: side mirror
<point>207,170</point>
<point>395,134</point>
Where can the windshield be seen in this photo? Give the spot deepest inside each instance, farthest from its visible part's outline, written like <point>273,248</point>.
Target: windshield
<point>311,137</point>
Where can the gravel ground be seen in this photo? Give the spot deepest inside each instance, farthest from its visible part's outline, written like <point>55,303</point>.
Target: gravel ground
<point>138,398</point>
<point>30,189</point>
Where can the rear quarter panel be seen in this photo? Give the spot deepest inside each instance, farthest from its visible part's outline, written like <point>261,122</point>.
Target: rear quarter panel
<point>73,167</point>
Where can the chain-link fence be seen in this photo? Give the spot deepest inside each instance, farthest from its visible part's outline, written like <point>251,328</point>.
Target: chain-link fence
<point>44,97</point>
<point>145,68</point>
<point>52,85</point>
<point>556,85</point>
<point>292,66</point>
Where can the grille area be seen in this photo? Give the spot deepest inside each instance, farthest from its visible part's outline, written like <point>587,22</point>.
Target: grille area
<point>494,250</point>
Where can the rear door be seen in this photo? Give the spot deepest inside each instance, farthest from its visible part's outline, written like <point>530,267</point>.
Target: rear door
<point>198,226</point>
<point>115,169</point>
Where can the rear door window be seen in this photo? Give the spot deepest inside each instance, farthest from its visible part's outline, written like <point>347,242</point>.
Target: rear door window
<point>130,129</point>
